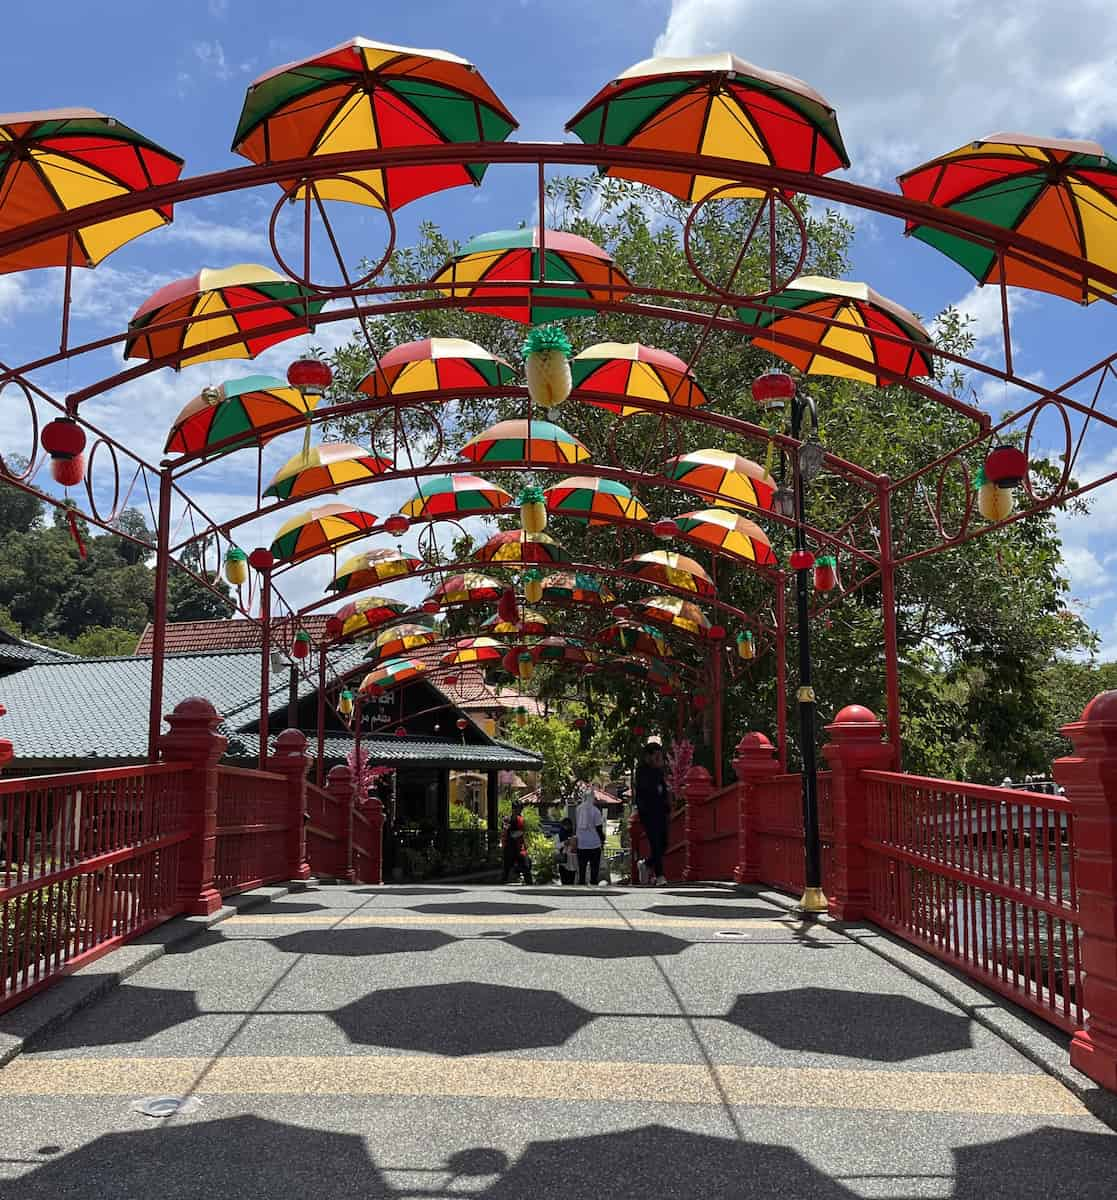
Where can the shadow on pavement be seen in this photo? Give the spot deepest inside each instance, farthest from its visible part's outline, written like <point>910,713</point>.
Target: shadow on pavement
<point>877,1026</point>
<point>393,890</point>
<point>358,943</point>
<point>129,1014</point>
<point>712,912</point>
<point>597,943</point>
<point>461,1018</point>
<point>285,908</point>
<point>570,890</point>
<point>481,908</point>
<point>1041,1163</point>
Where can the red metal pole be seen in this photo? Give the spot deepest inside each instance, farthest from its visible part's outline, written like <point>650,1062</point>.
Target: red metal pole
<point>159,615</point>
<point>321,713</point>
<point>781,675</point>
<point>265,664</point>
<point>888,610</point>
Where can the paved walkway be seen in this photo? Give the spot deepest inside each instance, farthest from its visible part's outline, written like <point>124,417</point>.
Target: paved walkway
<point>536,1044</point>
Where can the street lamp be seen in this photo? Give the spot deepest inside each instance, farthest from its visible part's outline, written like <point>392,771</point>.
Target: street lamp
<point>776,389</point>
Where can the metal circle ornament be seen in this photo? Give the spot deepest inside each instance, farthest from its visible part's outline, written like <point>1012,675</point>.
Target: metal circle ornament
<point>33,457</point>
<point>411,436</point>
<point>812,459</point>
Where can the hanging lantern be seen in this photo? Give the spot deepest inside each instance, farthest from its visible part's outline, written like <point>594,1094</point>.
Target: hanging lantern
<point>773,389</point>
<point>716,633</point>
<point>746,645</point>
<point>310,375</point>
<point>533,509</point>
<point>261,559</point>
<point>546,352</point>
<point>64,440</point>
<point>431,606</point>
<point>521,716</point>
<point>825,573</point>
<point>461,723</point>
<point>396,524</point>
<point>1006,467</point>
<point>345,703</point>
<point>401,732</point>
<point>801,560</point>
<point>783,502</point>
<point>525,665</point>
<point>334,627</point>
<point>667,528</point>
<point>664,689</point>
<point>579,722</point>
<point>533,585</point>
<point>993,502</point>
<point>236,566</point>
<point>506,608</point>
<point>621,612</point>
<point>300,648</point>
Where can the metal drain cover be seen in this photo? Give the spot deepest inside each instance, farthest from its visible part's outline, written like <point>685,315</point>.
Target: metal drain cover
<point>732,935</point>
<point>166,1106</point>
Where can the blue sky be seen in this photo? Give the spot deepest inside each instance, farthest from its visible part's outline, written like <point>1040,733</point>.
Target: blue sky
<point>907,83</point>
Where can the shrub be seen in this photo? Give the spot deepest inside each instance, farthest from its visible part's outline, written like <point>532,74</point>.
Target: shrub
<point>541,851</point>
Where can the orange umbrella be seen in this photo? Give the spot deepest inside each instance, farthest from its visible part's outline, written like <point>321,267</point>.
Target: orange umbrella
<point>323,468</point>
<point>675,570</point>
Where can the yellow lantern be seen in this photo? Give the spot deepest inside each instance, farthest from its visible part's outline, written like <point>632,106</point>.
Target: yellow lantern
<point>521,716</point>
<point>345,703</point>
<point>236,566</point>
<point>533,585</point>
<point>993,502</point>
<point>533,510</point>
<point>526,666</point>
<point>746,645</point>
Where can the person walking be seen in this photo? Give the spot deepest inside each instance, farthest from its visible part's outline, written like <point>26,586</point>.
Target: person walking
<point>589,830</point>
<point>652,805</point>
<point>515,845</point>
<point>567,853</point>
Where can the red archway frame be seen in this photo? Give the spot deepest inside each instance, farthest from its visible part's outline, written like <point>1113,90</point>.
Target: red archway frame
<point>949,507</point>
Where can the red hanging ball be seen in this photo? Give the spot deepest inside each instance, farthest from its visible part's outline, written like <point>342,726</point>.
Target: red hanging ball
<point>262,559</point>
<point>310,375</point>
<point>431,606</point>
<point>773,388</point>
<point>716,633</point>
<point>63,438</point>
<point>334,627</point>
<point>396,524</point>
<point>621,612</point>
<point>461,723</point>
<point>68,471</point>
<point>506,608</point>
<point>699,702</point>
<point>450,681</point>
<point>667,528</point>
<point>1006,466</point>
<point>401,732</point>
<point>638,731</point>
<point>579,722</point>
<point>801,560</point>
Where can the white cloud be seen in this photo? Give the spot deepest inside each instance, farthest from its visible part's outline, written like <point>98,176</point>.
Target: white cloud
<point>214,236</point>
<point>910,79</point>
<point>211,56</point>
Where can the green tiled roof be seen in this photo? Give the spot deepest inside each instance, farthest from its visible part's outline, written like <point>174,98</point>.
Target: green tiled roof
<point>394,751</point>
<point>16,652</point>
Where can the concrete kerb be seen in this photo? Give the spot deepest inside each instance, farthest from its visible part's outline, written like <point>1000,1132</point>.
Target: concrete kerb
<point>1040,1043</point>
<point>39,1016</point>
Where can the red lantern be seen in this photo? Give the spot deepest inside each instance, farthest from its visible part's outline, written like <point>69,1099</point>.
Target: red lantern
<point>506,608</point>
<point>310,375</point>
<point>334,627</point>
<point>667,528</point>
<point>826,573</point>
<point>68,471</point>
<point>638,731</point>
<point>431,606</point>
<point>621,612</point>
<point>716,633</point>
<point>301,646</point>
<point>261,558</point>
<point>511,661</point>
<point>1005,466</point>
<point>801,560</point>
<point>579,722</point>
<point>461,723</point>
<point>401,732</point>
<point>396,524</point>
<point>450,681</point>
<point>699,702</point>
<point>64,440</point>
<point>773,389</point>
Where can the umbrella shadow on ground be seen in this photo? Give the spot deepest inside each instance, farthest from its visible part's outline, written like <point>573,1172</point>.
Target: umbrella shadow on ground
<point>712,912</point>
<point>394,890</point>
<point>864,1025</point>
<point>710,894</point>
<point>1035,1165</point>
<point>597,943</point>
<point>570,890</point>
<point>482,908</point>
<point>130,1013</point>
<point>361,942</point>
<point>286,908</point>
<point>461,1018</point>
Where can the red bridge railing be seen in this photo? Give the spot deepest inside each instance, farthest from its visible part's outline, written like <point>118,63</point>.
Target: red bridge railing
<point>255,824</point>
<point>86,861</point>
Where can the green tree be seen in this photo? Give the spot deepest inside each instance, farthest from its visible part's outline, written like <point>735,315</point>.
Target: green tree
<point>188,600</point>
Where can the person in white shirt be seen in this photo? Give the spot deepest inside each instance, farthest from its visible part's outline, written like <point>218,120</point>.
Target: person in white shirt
<point>589,830</point>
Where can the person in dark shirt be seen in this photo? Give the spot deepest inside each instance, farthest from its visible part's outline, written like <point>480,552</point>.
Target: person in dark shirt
<point>515,845</point>
<point>652,805</point>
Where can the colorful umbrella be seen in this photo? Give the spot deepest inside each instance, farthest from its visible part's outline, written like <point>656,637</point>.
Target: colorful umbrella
<point>435,364</point>
<point>531,623</point>
<point>636,638</point>
<point>730,476</point>
<point>323,468</point>
<point>675,570</point>
<point>515,546</point>
<point>371,568</point>
<point>398,639</point>
<point>455,495</point>
<point>242,300</point>
<point>716,105</point>
<point>500,271</point>
<point>62,159</point>
<point>1060,193</point>
<point>560,649</point>
<point>676,613</point>
<point>392,673</point>
<point>570,588</point>
<point>468,587</point>
<point>596,501</point>
<point>319,530</point>
<point>368,613</point>
<point>866,315</point>
<point>724,532</point>
<point>647,670</point>
<point>241,409</point>
<point>474,650</point>
<point>641,372</point>
<point>525,441</point>
<point>371,96</point>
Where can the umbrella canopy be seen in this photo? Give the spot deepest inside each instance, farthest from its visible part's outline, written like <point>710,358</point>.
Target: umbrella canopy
<point>531,623</point>
<point>501,271</point>
<point>866,315</point>
<point>371,568</point>
<point>323,468</point>
<point>319,530</point>
<point>648,670</point>
<point>241,409</point>
<point>715,105</point>
<point>675,570</point>
<point>515,546</point>
<point>628,369</point>
<point>398,639</point>
<point>54,161</point>
<point>731,477</point>
<point>675,613</point>
<point>368,613</point>
<point>724,532</point>
<point>467,587</point>
<point>636,638</point>
<point>455,495</point>
<point>392,673</point>
<point>371,96</point>
<point>594,501</point>
<point>474,650</point>
<point>560,649</point>
<point>240,301</point>
<point>1060,193</point>
<point>525,441</point>
<point>435,364</point>
<point>569,587</point>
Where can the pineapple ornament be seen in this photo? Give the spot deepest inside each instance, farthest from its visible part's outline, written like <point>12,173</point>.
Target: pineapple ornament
<point>533,509</point>
<point>533,585</point>
<point>546,352</point>
<point>993,502</point>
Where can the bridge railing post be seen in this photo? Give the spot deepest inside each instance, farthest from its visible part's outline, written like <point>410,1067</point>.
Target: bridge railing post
<point>193,738</point>
<point>754,762</point>
<point>290,760</point>
<point>1090,779</point>
<point>698,787</point>
<point>339,784</point>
